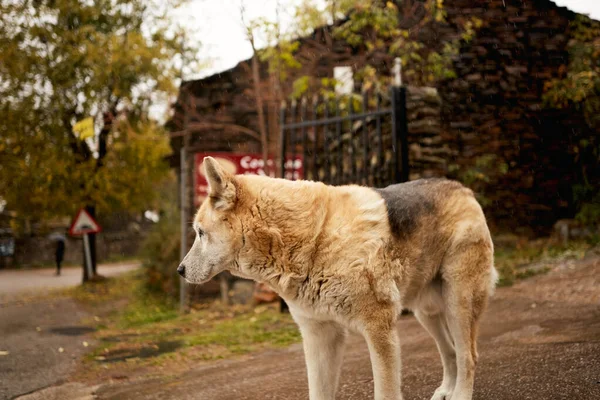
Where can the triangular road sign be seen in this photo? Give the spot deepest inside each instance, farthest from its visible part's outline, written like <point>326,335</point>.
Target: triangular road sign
<point>84,223</point>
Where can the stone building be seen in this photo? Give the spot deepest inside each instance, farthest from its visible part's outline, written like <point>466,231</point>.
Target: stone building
<point>489,120</point>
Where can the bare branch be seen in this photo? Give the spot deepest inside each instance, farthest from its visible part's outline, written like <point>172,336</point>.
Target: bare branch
<point>256,81</point>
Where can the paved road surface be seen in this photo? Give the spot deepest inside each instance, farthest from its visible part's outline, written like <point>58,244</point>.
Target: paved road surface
<point>35,281</point>
<point>540,340</point>
<point>33,332</point>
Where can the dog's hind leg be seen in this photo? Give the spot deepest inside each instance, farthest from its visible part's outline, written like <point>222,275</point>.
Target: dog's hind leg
<point>438,328</point>
<point>466,273</point>
<point>323,350</point>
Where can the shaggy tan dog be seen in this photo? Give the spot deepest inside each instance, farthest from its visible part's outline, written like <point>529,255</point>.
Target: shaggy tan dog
<point>351,258</point>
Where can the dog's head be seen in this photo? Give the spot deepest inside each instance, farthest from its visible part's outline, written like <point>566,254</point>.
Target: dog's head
<point>218,229</point>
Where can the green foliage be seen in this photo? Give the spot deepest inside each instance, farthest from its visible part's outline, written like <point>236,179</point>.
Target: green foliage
<point>63,61</point>
<point>36,172</point>
<point>579,88</point>
<point>524,261</point>
<point>378,26</point>
<point>160,250</point>
<point>478,175</point>
<point>310,14</point>
<point>138,152</point>
<point>280,45</point>
<point>300,87</point>
<point>370,24</point>
<point>587,200</point>
<point>280,58</point>
<point>369,78</point>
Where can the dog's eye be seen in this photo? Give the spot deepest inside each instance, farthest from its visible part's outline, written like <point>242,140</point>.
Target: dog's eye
<point>200,232</point>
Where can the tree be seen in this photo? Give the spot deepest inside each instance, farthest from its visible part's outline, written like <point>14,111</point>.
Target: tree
<point>250,27</point>
<point>66,60</point>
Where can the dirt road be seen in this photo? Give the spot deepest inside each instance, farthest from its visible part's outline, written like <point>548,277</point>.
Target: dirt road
<point>41,341</point>
<point>540,339</point>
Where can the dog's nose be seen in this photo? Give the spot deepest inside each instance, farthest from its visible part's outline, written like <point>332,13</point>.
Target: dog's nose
<point>181,270</point>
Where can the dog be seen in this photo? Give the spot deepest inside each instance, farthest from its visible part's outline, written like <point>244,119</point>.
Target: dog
<point>351,258</point>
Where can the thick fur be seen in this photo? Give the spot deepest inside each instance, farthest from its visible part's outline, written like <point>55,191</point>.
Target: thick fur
<point>351,258</point>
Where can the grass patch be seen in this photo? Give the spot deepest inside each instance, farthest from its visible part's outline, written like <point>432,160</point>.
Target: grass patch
<point>138,328</point>
<point>98,293</point>
<point>146,310</point>
<point>514,263</point>
<point>120,258</point>
<point>529,272</point>
<point>244,332</point>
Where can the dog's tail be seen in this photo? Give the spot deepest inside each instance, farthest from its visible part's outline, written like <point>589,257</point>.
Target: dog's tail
<point>494,277</point>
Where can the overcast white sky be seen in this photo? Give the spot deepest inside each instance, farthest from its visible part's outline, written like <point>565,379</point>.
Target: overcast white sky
<point>218,27</point>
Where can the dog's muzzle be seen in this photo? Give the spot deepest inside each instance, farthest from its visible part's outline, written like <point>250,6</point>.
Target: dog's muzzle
<point>181,270</point>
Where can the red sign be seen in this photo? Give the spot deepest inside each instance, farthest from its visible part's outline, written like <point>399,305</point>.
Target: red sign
<point>242,164</point>
<point>84,223</point>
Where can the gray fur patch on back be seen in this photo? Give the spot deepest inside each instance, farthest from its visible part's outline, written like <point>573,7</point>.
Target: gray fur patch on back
<point>407,203</point>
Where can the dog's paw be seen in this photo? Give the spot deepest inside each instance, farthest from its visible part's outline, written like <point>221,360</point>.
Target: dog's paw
<point>442,393</point>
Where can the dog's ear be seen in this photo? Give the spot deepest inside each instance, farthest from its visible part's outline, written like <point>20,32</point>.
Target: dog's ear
<point>222,191</point>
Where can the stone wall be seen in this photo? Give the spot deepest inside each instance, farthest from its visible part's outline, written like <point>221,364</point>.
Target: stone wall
<point>429,153</point>
<point>495,107</point>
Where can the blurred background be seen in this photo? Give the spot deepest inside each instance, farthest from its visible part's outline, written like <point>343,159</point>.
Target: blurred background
<point>108,107</point>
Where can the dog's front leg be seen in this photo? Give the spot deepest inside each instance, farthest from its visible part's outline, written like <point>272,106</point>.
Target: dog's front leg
<point>323,350</point>
<point>384,348</point>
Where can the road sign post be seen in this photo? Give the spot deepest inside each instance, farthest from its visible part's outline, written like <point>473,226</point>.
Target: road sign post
<point>88,255</point>
<point>84,224</point>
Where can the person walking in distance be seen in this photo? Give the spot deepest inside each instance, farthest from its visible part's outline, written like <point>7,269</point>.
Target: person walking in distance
<point>59,254</point>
